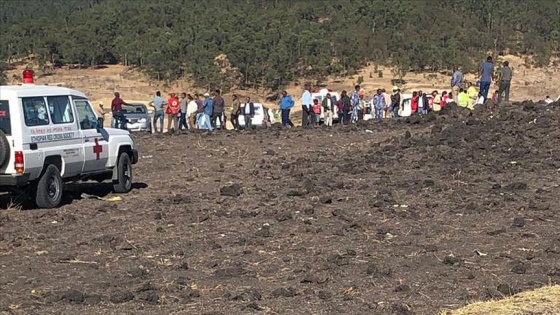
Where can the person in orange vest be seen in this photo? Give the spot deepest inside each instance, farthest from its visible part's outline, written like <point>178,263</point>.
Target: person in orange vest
<point>172,112</point>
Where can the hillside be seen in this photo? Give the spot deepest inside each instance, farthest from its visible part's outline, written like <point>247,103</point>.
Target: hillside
<point>270,43</point>
<point>99,84</point>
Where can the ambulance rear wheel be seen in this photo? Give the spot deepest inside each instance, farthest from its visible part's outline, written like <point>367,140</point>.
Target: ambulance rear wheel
<point>123,183</point>
<point>49,188</point>
<point>4,149</point>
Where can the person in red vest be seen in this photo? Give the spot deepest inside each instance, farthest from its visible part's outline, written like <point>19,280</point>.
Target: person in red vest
<point>414,102</point>
<point>172,112</point>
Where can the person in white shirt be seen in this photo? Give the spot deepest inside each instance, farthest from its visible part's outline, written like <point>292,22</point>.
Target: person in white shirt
<point>479,99</point>
<point>307,114</point>
<point>548,100</point>
<point>190,113</point>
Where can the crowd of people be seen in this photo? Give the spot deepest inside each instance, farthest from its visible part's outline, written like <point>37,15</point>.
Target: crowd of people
<point>189,111</point>
<point>208,112</point>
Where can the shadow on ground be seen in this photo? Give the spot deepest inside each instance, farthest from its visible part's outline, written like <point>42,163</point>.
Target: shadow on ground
<point>22,200</point>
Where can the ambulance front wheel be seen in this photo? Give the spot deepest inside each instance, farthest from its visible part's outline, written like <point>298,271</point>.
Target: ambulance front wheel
<point>123,183</point>
<point>49,188</point>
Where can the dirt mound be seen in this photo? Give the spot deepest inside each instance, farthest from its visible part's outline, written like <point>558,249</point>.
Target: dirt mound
<point>404,216</point>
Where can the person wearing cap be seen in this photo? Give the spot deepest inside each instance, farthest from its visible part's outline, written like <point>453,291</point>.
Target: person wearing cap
<point>396,101</point>
<point>101,112</point>
<point>205,122</point>
<point>307,115</point>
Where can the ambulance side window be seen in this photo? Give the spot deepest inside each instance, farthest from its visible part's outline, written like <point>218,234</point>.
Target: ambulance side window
<point>60,109</point>
<point>35,111</point>
<point>86,117</point>
<point>5,125</point>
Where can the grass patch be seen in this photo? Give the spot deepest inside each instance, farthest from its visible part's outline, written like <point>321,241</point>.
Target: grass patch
<point>543,301</point>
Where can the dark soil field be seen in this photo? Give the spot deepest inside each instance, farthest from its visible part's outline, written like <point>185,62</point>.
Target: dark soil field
<point>399,217</point>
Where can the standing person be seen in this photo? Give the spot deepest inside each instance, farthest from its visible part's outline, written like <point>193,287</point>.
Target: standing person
<point>172,112</point>
<point>444,97</point>
<point>414,102</point>
<point>157,103</point>
<point>207,113</point>
<point>396,101</point>
<point>486,74</point>
<point>316,112</point>
<point>387,112</point>
<point>328,109</point>
<point>355,103</point>
<point>436,101</point>
<point>235,108</point>
<point>346,107</point>
<point>183,104</point>
<point>504,81</point>
<point>456,79</point>
<point>101,113</point>
<point>116,108</point>
<point>199,110</point>
<point>190,113</point>
<point>286,104</point>
<point>218,105</point>
<point>379,104</point>
<point>248,113</point>
<point>306,103</point>
<point>422,103</point>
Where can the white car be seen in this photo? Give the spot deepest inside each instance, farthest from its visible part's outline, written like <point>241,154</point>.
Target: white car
<point>320,95</point>
<point>49,135</point>
<point>260,119</point>
<point>407,104</point>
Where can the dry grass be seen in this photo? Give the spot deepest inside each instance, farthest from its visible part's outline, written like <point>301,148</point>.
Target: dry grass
<point>543,301</point>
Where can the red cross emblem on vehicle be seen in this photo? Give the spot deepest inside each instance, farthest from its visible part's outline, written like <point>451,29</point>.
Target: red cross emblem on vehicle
<point>97,149</point>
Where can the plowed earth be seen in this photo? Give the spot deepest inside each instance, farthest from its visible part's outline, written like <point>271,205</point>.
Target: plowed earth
<point>398,217</point>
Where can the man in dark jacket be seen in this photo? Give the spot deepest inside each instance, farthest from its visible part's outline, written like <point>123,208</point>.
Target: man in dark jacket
<point>248,113</point>
<point>396,101</point>
<point>423,105</point>
<point>218,110</point>
<point>346,107</point>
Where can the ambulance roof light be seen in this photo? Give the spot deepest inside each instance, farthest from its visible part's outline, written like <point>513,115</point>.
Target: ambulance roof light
<point>28,76</point>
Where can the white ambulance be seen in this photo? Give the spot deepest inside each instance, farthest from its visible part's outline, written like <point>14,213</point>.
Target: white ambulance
<point>50,135</point>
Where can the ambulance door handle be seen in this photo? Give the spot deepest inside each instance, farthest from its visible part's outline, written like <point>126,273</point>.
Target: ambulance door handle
<point>33,146</point>
<point>86,140</point>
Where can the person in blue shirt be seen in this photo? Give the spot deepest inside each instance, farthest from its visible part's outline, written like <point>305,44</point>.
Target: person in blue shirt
<point>286,104</point>
<point>158,103</point>
<point>379,104</point>
<point>205,122</point>
<point>456,79</point>
<point>486,75</point>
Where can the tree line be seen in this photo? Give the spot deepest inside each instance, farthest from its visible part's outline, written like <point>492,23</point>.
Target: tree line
<point>270,43</point>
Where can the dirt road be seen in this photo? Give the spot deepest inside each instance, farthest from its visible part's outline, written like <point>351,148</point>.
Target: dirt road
<point>404,217</point>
